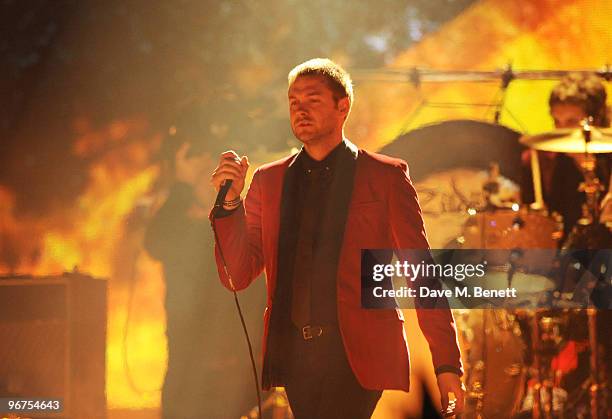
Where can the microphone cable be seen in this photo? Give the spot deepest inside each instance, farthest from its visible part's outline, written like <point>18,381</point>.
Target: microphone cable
<point>219,205</point>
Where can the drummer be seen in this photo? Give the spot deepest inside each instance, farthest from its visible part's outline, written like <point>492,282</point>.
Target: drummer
<point>574,98</point>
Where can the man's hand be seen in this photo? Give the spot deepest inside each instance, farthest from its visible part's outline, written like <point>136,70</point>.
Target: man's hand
<point>449,382</point>
<point>231,167</point>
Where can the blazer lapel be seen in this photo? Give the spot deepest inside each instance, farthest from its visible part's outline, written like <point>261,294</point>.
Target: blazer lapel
<point>287,235</point>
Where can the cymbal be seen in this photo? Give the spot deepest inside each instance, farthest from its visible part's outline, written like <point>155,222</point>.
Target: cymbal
<point>570,141</point>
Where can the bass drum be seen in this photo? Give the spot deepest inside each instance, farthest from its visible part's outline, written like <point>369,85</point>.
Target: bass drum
<point>450,182</point>
<point>493,353</point>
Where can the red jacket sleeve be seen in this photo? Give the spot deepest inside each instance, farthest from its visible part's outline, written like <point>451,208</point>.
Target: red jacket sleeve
<point>239,239</point>
<point>406,222</point>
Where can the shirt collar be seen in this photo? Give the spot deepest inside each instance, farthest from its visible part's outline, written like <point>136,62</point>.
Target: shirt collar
<point>329,160</point>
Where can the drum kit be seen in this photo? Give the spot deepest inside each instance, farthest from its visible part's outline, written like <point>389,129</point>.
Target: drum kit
<point>517,359</point>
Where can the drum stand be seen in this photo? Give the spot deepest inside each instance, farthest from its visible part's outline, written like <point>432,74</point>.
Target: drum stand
<point>595,387</point>
<point>539,410</point>
<point>591,186</point>
<point>592,189</point>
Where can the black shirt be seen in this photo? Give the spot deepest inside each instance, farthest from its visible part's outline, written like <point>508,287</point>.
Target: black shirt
<point>315,269</point>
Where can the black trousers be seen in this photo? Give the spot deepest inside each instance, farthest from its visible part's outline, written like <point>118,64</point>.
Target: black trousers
<point>320,383</point>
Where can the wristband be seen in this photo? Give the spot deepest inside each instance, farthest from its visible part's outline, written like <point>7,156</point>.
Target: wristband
<point>233,203</point>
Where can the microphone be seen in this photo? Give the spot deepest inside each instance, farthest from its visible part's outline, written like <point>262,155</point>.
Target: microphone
<point>225,187</point>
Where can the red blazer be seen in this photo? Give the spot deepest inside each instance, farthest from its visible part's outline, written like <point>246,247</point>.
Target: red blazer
<point>383,213</point>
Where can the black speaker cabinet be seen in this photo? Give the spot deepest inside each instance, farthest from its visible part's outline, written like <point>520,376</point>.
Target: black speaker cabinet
<point>52,342</point>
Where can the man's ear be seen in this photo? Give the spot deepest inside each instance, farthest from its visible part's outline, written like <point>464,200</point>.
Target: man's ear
<point>344,105</point>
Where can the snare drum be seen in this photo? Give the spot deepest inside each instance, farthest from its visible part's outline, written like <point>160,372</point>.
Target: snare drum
<point>514,229</point>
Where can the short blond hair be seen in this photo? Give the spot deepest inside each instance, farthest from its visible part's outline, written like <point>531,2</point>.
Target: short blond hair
<point>338,80</point>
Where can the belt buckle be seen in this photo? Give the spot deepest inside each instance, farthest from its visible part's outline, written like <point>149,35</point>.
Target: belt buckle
<point>309,332</point>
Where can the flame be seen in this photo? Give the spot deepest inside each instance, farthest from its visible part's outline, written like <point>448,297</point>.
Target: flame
<point>100,234</point>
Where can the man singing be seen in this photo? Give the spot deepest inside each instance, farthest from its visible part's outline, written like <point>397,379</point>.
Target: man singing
<point>305,219</point>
